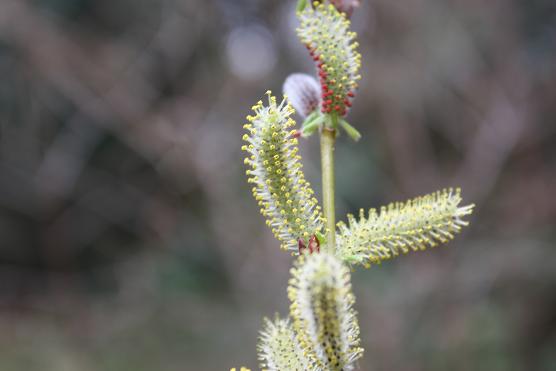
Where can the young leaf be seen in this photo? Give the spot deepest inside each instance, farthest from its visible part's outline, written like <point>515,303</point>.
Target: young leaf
<point>301,4</point>
<point>310,127</point>
<point>350,130</point>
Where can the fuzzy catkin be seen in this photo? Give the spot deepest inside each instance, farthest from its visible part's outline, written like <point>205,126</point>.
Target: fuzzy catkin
<point>326,34</point>
<point>285,197</point>
<point>279,348</point>
<point>401,227</point>
<point>322,309</point>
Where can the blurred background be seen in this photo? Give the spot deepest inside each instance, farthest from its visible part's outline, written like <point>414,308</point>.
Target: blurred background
<point>128,236</point>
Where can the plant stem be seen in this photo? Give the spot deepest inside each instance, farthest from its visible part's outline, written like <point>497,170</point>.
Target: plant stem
<point>327,139</point>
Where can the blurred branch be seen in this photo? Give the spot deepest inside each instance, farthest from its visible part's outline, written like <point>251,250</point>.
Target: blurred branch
<point>119,100</point>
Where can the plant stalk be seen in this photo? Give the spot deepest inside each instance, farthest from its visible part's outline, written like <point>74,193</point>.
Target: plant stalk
<point>327,140</point>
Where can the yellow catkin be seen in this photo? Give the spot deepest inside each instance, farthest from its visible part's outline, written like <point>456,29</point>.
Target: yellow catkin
<point>322,309</point>
<point>284,196</point>
<point>279,348</point>
<point>402,227</point>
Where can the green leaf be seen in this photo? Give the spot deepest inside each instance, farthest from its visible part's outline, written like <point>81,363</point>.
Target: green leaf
<point>312,116</point>
<point>310,126</point>
<point>321,237</point>
<point>350,130</point>
<point>301,5</point>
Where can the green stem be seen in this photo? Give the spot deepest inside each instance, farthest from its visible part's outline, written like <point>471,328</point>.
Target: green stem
<point>327,139</point>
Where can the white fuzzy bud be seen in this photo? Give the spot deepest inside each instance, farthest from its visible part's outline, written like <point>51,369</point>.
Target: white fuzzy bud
<point>303,92</point>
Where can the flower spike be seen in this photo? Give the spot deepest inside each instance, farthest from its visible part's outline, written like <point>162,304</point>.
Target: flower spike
<point>326,34</point>
<point>279,349</point>
<point>400,227</point>
<point>285,197</point>
<point>322,301</point>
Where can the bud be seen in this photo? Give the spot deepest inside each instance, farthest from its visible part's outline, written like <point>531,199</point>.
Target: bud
<point>303,92</point>
<point>326,34</point>
<point>322,309</point>
<point>285,197</point>
<point>401,227</point>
